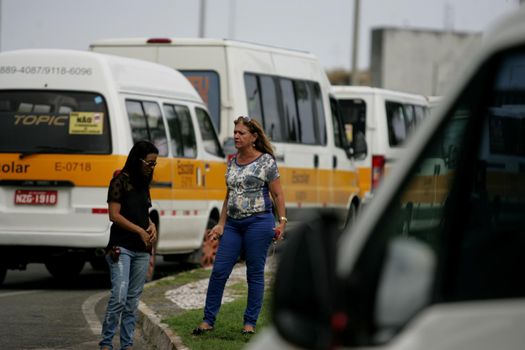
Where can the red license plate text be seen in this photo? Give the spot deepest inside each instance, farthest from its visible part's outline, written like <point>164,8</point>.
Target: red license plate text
<point>32,197</point>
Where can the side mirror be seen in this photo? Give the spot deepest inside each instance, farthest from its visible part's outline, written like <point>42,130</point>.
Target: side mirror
<point>305,283</point>
<point>408,263</point>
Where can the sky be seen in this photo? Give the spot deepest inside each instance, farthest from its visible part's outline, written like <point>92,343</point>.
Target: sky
<point>323,27</point>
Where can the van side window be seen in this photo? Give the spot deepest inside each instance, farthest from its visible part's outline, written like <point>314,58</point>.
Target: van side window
<point>335,110</point>
<point>181,129</point>
<point>208,134</point>
<point>289,110</point>
<point>253,96</point>
<point>156,127</point>
<point>146,123</point>
<point>319,113</point>
<point>304,100</point>
<point>397,127</point>
<point>455,229</point>
<point>137,121</point>
<point>420,113</point>
<point>207,84</point>
<point>410,118</point>
<point>353,113</point>
<point>270,107</point>
<point>263,104</point>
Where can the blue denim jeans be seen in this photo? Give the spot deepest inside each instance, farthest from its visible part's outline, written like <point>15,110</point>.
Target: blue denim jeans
<point>128,276</point>
<point>253,235</point>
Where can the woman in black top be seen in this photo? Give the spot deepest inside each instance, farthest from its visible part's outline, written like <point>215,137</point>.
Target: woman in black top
<point>131,240</point>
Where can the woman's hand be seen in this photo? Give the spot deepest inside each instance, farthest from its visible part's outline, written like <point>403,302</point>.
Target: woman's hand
<point>216,232</point>
<point>279,231</point>
<point>152,233</point>
<point>144,236</point>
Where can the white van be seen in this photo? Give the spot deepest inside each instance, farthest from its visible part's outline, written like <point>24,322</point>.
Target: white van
<point>437,259</point>
<point>68,120</point>
<point>385,118</point>
<point>286,90</point>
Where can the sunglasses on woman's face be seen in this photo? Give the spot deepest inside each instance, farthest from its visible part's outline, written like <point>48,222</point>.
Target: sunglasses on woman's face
<point>150,163</point>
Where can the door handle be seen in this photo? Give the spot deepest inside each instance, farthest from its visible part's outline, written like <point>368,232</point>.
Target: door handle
<point>334,162</point>
<point>316,161</point>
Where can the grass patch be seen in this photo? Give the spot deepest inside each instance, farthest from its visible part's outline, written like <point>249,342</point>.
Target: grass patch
<point>227,334</point>
<point>184,277</point>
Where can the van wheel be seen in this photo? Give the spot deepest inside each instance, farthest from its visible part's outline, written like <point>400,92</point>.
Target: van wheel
<point>351,216</point>
<point>205,255</point>
<point>151,265</point>
<point>65,267</point>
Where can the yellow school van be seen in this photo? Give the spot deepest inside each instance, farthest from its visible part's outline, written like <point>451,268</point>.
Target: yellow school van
<point>68,120</point>
<point>287,91</point>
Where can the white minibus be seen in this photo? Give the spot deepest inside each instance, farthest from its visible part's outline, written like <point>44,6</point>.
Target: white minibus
<point>385,118</point>
<point>436,261</point>
<point>286,90</point>
<point>68,120</point>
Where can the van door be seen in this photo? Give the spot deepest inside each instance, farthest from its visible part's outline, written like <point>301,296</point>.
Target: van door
<point>188,198</point>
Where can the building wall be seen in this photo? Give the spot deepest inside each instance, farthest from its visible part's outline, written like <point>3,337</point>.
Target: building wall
<point>418,61</point>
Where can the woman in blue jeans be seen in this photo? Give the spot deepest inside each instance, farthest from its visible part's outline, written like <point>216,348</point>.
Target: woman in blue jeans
<point>131,239</point>
<point>247,222</point>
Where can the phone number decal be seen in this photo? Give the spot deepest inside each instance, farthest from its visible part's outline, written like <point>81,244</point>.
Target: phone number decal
<point>46,70</point>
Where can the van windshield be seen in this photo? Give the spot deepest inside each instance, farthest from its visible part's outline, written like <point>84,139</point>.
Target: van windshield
<point>53,122</point>
<point>207,85</point>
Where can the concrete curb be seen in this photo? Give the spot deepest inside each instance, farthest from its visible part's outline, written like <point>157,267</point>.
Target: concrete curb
<point>157,333</point>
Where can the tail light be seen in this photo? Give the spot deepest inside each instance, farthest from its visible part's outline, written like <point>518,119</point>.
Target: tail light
<point>378,170</point>
<point>159,41</point>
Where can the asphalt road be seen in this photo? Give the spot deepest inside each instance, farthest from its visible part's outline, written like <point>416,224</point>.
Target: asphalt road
<point>37,312</point>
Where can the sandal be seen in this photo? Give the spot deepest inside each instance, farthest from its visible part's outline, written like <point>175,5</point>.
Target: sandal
<point>199,330</point>
<point>248,331</point>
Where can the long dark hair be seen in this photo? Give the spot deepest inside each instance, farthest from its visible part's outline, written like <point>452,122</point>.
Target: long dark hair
<point>133,166</point>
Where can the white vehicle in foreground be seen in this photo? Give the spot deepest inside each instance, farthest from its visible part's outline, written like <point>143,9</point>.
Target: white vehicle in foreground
<point>437,259</point>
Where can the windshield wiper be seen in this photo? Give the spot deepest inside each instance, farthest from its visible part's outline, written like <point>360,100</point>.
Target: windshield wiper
<point>49,149</point>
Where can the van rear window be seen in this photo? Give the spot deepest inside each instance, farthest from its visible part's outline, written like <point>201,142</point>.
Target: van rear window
<point>207,85</point>
<point>54,122</point>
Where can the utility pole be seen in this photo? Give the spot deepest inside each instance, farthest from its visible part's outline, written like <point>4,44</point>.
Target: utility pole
<point>231,25</point>
<point>355,43</point>
<point>202,19</point>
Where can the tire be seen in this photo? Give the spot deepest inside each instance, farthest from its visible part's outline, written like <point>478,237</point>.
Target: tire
<point>205,255</point>
<point>65,267</point>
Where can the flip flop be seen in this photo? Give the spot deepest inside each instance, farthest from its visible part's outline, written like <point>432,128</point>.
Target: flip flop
<point>200,331</point>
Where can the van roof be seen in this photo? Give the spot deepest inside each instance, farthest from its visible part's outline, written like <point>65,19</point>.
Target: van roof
<point>127,74</point>
<point>346,90</point>
<point>141,41</point>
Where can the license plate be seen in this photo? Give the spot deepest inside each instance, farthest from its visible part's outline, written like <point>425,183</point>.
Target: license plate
<point>32,197</point>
